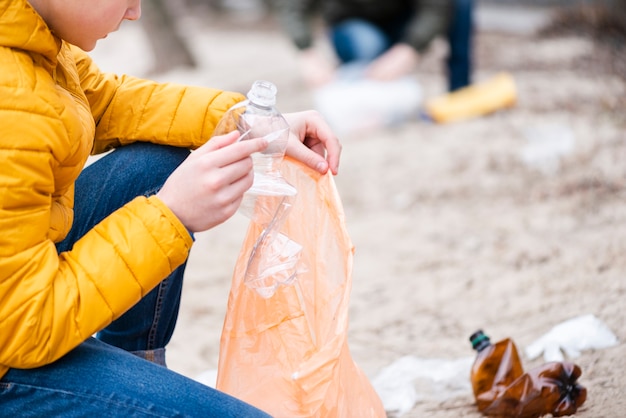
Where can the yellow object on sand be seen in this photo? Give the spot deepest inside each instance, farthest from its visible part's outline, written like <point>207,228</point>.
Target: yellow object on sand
<point>497,93</point>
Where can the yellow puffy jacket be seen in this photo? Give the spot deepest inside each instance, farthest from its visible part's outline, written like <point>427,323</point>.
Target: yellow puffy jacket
<point>55,109</point>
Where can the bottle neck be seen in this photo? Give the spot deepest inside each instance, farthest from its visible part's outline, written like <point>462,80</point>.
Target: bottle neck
<point>480,341</point>
<point>262,94</point>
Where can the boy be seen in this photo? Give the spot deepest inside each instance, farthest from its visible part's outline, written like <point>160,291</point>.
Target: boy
<point>102,250</point>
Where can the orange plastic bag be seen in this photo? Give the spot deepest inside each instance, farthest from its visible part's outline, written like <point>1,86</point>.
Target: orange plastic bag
<point>287,354</point>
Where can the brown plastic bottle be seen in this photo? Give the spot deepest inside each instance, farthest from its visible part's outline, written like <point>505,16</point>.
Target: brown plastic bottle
<point>501,388</point>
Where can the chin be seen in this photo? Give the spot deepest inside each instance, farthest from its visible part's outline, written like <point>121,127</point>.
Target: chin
<point>87,47</point>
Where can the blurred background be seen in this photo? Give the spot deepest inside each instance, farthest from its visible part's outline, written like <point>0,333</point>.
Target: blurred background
<point>170,27</point>
<point>513,221</point>
<point>163,21</point>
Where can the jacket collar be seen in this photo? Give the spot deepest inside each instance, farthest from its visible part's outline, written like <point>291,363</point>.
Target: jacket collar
<point>21,27</point>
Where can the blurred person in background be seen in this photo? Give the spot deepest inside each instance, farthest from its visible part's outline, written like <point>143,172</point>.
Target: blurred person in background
<point>102,250</point>
<point>387,36</point>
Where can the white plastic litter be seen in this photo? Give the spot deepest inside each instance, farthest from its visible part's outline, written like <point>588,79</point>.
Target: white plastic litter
<point>208,378</point>
<point>571,337</point>
<point>353,103</point>
<point>546,147</point>
<point>396,383</point>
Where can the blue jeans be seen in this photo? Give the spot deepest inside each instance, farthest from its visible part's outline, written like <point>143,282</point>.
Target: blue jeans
<point>360,41</point>
<point>101,377</point>
<point>460,36</point>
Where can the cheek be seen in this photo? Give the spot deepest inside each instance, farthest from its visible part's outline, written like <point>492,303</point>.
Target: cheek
<point>104,20</point>
<point>114,13</point>
<point>101,25</point>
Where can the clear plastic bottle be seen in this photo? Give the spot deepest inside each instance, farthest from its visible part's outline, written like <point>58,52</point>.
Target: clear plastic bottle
<point>258,117</point>
<point>275,258</point>
<point>501,388</point>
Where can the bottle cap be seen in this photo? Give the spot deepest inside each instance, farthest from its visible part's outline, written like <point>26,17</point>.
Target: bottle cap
<point>479,340</point>
<point>263,93</point>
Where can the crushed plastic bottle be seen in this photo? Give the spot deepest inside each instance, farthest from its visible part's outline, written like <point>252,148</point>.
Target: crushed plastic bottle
<point>502,388</point>
<point>258,117</point>
<point>274,258</point>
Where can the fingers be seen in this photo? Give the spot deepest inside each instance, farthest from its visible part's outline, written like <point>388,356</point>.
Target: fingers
<point>226,149</point>
<point>309,158</point>
<point>318,147</point>
<point>225,191</point>
<point>219,141</point>
<point>207,188</point>
<point>331,143</point>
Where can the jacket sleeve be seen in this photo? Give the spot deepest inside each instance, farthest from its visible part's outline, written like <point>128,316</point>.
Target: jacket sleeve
<point>431,20</point>
<point>128,109</point>
<point>50,303</point>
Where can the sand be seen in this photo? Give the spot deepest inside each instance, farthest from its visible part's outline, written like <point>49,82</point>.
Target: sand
<point>459,226</point>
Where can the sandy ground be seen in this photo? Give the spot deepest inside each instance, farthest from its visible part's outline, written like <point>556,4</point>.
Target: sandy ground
<point>454,228</point>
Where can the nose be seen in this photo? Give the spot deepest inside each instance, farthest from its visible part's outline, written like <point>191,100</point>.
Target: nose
<point>134,10</point>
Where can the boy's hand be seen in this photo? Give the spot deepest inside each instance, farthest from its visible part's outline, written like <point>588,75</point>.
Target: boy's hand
<point>312,141</point>
<point>207,188</point>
